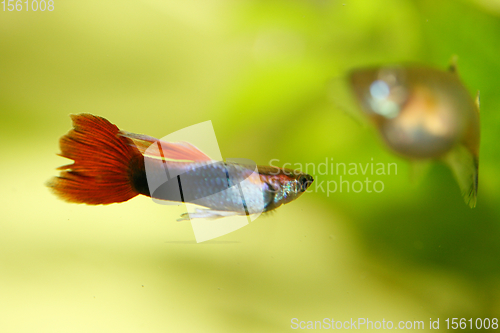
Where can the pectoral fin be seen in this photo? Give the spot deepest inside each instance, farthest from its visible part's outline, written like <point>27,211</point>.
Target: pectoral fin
<point>342,97</point>
<point>465,169</point>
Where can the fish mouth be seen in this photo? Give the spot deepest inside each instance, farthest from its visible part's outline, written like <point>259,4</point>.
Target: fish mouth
<point>305,181</point>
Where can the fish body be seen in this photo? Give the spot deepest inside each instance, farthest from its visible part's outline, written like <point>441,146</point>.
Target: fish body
<point>423,114</point>
<point>114,166</point>
<point>212,184</point>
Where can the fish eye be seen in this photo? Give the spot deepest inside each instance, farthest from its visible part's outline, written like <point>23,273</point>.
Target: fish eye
<point>387,92</point>
<point>380,90</point>
<point>304,183</point>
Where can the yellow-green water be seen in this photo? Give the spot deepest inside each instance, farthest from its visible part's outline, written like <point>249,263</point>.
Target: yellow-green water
<point>258,70</point>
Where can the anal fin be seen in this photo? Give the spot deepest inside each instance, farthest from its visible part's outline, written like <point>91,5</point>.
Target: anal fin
<point>206,214</point>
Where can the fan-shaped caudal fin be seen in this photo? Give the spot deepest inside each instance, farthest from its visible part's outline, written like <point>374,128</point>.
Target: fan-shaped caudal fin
<point>104,163</point>
<point>169,150</point>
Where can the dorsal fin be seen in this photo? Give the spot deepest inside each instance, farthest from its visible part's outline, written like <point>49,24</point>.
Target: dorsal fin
<point>169,150</point>
<point>452,67</point>
<point>478,101</point>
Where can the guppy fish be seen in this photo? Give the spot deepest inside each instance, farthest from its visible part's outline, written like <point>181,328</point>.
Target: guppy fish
<point>110,166</point>
<point>422,114</point>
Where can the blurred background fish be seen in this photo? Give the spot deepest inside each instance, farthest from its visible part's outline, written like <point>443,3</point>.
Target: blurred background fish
<point>110,166</point>
<point>423,113</point>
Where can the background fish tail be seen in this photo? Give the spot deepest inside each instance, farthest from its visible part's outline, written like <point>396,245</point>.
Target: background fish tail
<point>465,166</point>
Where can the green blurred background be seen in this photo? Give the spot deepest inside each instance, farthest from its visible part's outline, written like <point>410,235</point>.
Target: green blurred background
<point>258,70</point>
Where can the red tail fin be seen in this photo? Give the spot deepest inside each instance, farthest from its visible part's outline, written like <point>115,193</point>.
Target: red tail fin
<point>103,163</point>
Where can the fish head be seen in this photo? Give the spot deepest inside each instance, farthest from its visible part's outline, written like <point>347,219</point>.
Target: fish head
<point>284,185</point>
<point>419,112</point>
